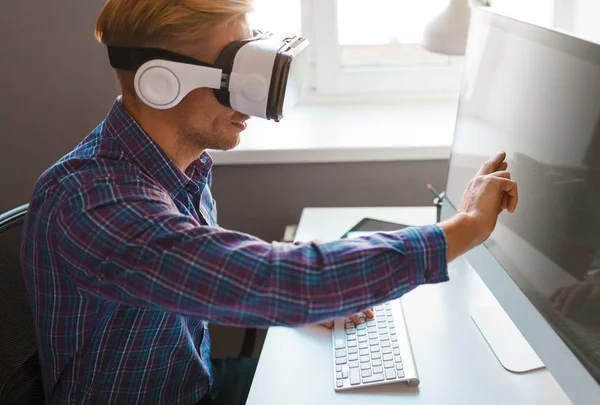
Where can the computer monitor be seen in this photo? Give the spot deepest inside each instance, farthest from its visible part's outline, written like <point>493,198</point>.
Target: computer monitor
<point>534,93</point>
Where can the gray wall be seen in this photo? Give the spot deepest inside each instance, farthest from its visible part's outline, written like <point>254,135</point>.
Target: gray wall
<point>56,86</point>
<point>263,199</point>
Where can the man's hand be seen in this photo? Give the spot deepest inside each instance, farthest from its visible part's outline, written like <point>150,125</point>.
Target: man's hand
<point>486,196</point>
<point>355,318</point>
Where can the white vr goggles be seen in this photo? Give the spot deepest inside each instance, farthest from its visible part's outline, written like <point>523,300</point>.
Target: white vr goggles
<point>261,76</point>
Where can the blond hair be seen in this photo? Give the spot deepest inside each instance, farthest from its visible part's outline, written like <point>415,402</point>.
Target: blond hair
<point>152,22</point>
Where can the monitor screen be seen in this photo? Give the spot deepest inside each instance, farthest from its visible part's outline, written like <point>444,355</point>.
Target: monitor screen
<point>535,94</point>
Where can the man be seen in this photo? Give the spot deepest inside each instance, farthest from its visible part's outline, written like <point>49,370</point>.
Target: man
<point>125,263</point>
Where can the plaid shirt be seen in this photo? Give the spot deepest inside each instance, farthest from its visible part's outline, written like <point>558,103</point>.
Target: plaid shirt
<point>125,265</point>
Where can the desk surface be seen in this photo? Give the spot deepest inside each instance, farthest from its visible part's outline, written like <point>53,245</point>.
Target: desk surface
<point>455,364</point>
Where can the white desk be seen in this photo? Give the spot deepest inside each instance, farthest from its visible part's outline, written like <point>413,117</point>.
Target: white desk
<point>455,364</point>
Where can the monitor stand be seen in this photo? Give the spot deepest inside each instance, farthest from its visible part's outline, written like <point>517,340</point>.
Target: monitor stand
<point>505,340</point>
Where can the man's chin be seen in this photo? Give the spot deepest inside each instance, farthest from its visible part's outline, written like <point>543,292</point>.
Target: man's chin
<point>229,142</point>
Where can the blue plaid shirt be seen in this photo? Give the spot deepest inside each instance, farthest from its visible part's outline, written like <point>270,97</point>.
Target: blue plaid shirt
<point>125,265</point>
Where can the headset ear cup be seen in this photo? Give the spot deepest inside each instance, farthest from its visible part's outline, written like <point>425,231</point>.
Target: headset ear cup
<point>157,86</point>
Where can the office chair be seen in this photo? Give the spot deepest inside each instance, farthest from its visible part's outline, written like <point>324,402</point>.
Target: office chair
<point>20,373</point>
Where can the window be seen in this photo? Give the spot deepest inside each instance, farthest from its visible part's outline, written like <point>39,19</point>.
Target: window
<point>279,16</point>
<point>365,47</point>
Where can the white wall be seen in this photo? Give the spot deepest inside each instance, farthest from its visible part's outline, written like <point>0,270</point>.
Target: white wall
<point>578,16</point>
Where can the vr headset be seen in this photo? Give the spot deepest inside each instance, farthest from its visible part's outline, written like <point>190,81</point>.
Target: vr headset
<point>261,76</point>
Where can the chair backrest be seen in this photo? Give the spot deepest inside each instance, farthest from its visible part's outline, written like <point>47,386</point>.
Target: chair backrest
<point>20,375</point>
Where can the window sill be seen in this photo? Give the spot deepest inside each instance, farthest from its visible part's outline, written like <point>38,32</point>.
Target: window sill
<point>348,133</point>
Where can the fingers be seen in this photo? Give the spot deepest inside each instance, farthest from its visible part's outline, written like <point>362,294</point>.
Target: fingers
<point>511,190</point>
<point>503,174</point>
<point>503,166</point>
<point>356,318</point>
<point>504,202</point>
<point>492,165</point>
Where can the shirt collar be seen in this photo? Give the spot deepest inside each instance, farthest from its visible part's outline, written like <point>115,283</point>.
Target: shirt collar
<point>152,159</point>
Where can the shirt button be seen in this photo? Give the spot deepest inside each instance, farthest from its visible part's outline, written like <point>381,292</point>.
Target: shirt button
<point>427,275</point>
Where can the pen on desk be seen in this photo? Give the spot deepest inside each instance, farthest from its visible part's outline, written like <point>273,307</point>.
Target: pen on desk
<point>440,196</point>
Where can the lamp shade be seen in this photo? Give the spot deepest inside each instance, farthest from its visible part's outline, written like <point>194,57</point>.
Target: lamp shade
<point>447,32</point>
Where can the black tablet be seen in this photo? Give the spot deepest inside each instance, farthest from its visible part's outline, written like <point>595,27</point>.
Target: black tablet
<point>368,226</point>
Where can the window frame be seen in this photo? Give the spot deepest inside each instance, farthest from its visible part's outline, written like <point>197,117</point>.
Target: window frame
<point>330,77</point>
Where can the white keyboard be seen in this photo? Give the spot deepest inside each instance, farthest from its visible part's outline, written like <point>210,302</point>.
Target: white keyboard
<point>375,351</point>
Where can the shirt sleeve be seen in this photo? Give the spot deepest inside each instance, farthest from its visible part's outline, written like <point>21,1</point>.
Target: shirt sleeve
<point>128,243</point>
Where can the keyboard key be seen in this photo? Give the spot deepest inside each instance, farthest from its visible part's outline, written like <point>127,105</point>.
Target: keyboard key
<point>376,355</point>
<point>353,364</point>
<point>373,378</point>
<point>376,363</point>
<point>340,353</point>
<point>396,352</point>
<point>400,374</point>
<point>339,383</point>
<point>363,345</point>
<point>354,377</point>
<point>338,368</point>
<point>383,338</point>
<point>386,350</point>
<point>338,376</point>
<point>395,345</point>
<point>371,321</point>
<point>390,374</point>
<point>350,331</point>
<point>341,360</point>
<point>399,366</point>
<point>394,338</point>
<point>362,326</point>
<point>353,350</point>
<point>354,357</point>
<point>345,374</point>
<point>366,373</point>
<point>374,349</point>
<point>352,343</point>
<point>385,343</point>
<point>362,333</point>
<point>388,364</point>
<point>338,333</point>
<point>386,357</point>
<point>351,337</point>
<point>383,332</point>
<point>377,370</point>
<point>365,359</point>
<point>398,359</point>
<point>364,352</point>
<point>350,325</point>
<point>392,331</point>
<point>361,339</point>
<point>365,366</point>
<point>373,342</point>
